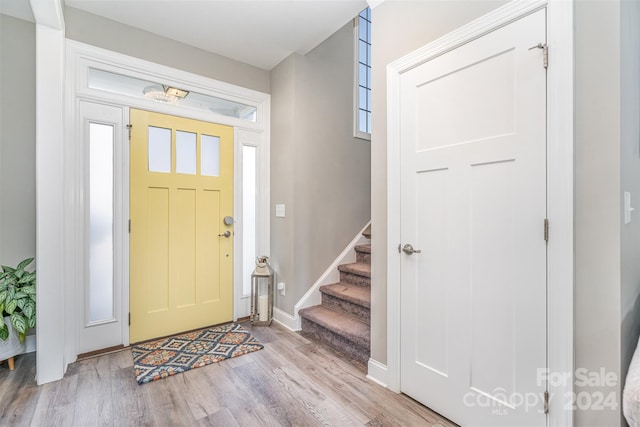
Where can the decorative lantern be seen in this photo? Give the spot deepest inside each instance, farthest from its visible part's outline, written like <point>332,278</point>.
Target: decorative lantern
<point>262,293</point>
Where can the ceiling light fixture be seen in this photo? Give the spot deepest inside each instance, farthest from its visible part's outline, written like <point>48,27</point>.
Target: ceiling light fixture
<point>163,93</point>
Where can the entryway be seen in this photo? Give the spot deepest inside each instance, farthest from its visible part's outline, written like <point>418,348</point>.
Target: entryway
<point>199,205</point>
<point>473,252</point>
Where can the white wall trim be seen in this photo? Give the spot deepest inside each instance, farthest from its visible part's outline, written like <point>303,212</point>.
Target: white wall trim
<point>285,319</point>
<point>51,307</point>
<point>331,275</point>
<point>378,373</point>
<point>559,178</point>
<point>560,199</point>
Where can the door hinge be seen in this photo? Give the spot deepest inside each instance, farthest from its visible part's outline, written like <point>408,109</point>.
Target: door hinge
<point>545,53</point>
<point>129,128</point>
<point>546,402</point>
<point>546,230</point>
<point>129,319</point>
<point>129,226</point>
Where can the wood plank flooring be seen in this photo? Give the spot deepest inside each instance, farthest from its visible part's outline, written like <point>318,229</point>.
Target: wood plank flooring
<point>292,382</point>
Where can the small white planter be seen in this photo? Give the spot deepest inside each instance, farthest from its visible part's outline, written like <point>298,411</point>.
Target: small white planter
<point>12,346</point>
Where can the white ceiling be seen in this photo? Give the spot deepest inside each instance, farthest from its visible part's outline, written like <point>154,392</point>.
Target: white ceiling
<point>258,32</point>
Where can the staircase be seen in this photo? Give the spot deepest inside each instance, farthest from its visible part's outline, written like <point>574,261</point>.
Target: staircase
<point>342,321</point>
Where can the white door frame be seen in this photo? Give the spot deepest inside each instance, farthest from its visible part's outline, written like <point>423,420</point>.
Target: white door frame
<point>560,185</point>
<point>80,57</point>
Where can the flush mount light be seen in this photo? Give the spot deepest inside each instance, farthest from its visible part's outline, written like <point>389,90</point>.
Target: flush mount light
<point>173,91</point>
<point>164,93</point>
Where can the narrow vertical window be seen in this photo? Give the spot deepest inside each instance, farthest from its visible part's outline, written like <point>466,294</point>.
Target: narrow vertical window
<point>101,140</point>
<point>249,213</point>
<point>363,75</point>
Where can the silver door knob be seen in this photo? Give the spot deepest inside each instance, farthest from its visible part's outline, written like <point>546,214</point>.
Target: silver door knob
<point>226,234</point>
<point>408,249</point>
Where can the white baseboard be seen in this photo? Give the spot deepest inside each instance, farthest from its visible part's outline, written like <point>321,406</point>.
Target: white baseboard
<point>377,373</point>
<point>285,319</point>
<point>331,275</point>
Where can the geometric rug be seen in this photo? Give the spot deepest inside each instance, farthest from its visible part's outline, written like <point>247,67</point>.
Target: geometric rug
<point>158,359</point>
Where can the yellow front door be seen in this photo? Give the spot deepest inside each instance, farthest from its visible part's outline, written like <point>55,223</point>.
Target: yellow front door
<point>181,259</point>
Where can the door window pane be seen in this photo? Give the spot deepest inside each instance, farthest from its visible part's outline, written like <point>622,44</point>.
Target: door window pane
<point>185,152</point>
<point>210,156</point>
<point>249,227</point>
<point>159,149</point>
<point>101,140</point>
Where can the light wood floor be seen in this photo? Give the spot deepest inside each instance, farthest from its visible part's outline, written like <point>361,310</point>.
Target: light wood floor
<point>292,382</point>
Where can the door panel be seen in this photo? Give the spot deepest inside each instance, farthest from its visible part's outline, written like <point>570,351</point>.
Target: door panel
<point>473,189</point>
<point>181,264</point>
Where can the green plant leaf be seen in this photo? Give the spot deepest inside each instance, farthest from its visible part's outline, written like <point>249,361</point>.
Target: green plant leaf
<point>7,269</point>
<point>19,273</point>
<point>11,306</point>
<point>19,322</point>
<point>1,310</point>
<point>3,296</point>
<point>21,302</point>
<point>10,279</point>
<point>20,295</point>
<point>31,321</point>
<point>10,294</point>
<point>27,278</point>
<point>29,290</point>
<point>4,332</point>
<point>21,336</point>
<point>24,264</point>
<point>29,310</point>
<point>32,297</point>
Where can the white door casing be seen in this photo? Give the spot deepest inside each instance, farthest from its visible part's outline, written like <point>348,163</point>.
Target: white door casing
<point>473,200</point>
<point>560,140</point>
<point>80,58</point>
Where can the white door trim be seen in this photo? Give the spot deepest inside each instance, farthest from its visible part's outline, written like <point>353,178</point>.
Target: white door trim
<point>559,181</point>
<point>79,58</point>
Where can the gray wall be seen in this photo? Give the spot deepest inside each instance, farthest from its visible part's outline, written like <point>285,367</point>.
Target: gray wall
<point>318,170</point>
<point>630,176</point>
<point>597,196</point>
<point>17,140</point>
<point>607,153</point>
<point>399,27</point>
<point>107,34</point>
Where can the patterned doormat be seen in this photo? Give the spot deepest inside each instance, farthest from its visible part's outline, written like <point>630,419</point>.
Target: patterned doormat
<point>158,359</point>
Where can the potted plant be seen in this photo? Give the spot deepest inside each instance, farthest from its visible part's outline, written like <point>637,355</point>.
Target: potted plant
<point>18,308</point>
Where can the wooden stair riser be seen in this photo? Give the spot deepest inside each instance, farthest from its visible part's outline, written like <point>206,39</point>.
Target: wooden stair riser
<point>340,343</point>
<point>347,307</point>
<point>355,279</point>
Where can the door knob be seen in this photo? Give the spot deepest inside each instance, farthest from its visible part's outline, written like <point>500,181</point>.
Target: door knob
<point>226,234</point>
<point>408,249</point>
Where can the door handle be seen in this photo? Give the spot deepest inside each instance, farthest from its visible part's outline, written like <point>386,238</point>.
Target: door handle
<point>226,234</point>
<point>408,249</point>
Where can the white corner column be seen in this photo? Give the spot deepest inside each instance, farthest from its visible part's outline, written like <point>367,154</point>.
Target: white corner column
<point>50,41</point>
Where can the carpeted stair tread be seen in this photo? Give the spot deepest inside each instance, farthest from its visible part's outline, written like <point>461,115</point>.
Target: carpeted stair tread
<point>357,268</point>
<point>351,293</point>
<point>340,324</point>
<point>363,248</point>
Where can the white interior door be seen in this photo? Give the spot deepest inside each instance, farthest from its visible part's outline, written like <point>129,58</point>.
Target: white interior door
<point>473,189</point>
